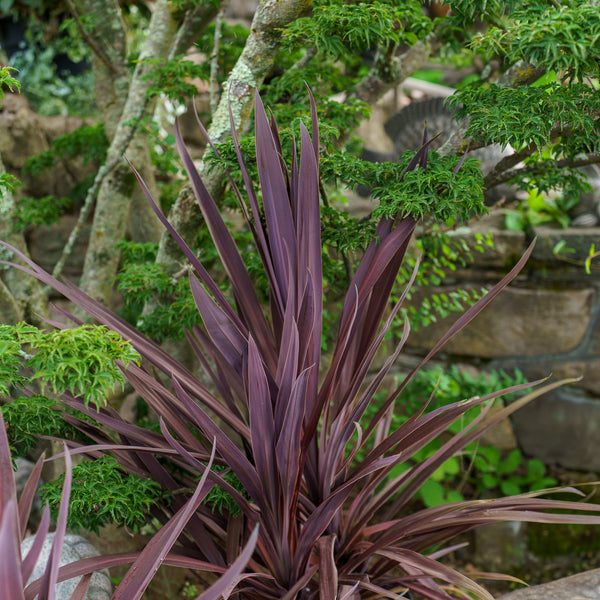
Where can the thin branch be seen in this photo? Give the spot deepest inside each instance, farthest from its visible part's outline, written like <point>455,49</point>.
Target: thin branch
<point>308,56</point>
<point>214,63</point>
<point>89,39</point>
<point>496,179</point>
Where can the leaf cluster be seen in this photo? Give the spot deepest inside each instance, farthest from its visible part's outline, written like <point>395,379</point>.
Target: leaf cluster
<point>561,38</point>
<point>443,191</point>
<point>532,116</point>
<point>172,78</point>
<point>102,493</point>
<point>28,417</point>
<point>39,211</point>
<point>512,474</point>
<point>337,28</point>
<point>83,360</point>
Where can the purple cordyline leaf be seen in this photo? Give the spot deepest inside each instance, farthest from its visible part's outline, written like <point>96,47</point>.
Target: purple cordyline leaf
<point>29,562</point>
<point>320,518</point>
<point>171,403</point>
<point>368,357</point>
<point>310,268</point>
<point>341,431</point>
<point>232,455</point>
<point>138,577</point>
<point>287,368</point>
<point>28,493</point>
<point>254,224</point>
<point>423,159</point>
<point>290,466</point>
<point>202,272</point>
<point>309,218</point>
<point>80,591</point>
<point>48,582</point>
<point>232,262</point>
<point>161,401</point>
<point>457,326</point>
<point>288,448</point>
<point>380,591</point>
<point>376,261</point>
<point>96,563</point>
<point>230,341</point>
<point>214,477</point>
<point>228,383</point>
<point>379,301</point>
<point>314,122</point>
<point>11,582</point>
<point>435,569</point>
<point>8,491</point>
<point>300,584</point>
<point>262,425</point>
<point>215,591</point>
<point>326,391</point>
<point>276,203</point>
<point>307,321</point>
<point>328,574</point>
<point>350,592</point>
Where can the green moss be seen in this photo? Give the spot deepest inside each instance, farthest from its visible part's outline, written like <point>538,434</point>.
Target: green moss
<point>551,541</point>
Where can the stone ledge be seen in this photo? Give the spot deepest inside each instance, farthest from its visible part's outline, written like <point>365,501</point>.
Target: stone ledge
<point>519,322</point>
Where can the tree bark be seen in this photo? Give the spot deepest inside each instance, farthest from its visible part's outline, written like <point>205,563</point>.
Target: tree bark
<point>255,62</point>
<point>114,197</point>
<point>21,296</point>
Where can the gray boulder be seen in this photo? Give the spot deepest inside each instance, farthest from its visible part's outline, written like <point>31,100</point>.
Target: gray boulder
<point>75,548</point>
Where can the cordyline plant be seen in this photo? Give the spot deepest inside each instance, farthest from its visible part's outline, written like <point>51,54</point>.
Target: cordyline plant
<point>15,570</point>
<point>284,419</point>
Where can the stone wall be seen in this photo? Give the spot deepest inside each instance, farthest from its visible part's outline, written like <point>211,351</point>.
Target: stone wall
<point>545,323</point>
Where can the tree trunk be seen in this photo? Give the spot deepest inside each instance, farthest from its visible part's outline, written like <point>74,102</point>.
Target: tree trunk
<point>114,197</point>
<point>21,296</point>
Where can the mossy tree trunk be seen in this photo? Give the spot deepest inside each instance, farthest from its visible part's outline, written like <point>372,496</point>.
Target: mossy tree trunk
<point>21,296</point>
<point>123,102</point>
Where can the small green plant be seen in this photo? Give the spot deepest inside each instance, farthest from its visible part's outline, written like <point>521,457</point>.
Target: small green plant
<point>510,475</point>
<point>83,360</point>
<point>538,209</point>
<point>103,493</point>
<point>26,418</point>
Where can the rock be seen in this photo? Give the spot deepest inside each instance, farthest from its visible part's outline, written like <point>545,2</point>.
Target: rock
<point>75,548</point>
<point>519,322</point>
<point>561,428</point>
<point>23,134</point>
<point>584,586</point>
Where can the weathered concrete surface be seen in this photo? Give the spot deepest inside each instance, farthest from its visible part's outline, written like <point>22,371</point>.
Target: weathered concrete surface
<point>584,586</point>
